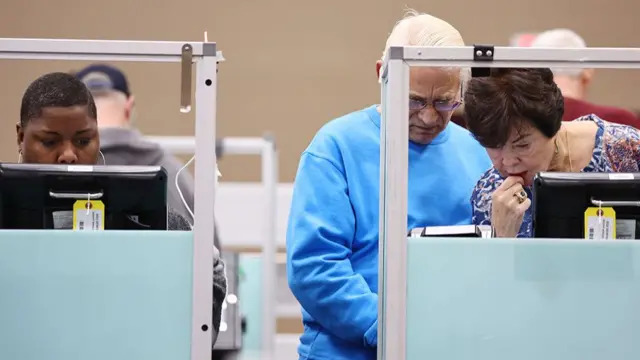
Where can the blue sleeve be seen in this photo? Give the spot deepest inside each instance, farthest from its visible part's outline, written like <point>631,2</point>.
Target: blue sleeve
<point>320,233</point>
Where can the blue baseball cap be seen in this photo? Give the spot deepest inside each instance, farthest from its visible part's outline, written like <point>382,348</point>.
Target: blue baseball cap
<point>102,77</point>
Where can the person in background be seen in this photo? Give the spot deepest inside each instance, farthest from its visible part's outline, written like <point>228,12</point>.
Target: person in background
<point>574,83</point>
<point>58,125</point>
<point>121,143</point>
<point>332,234</point>
<point>516,114</point>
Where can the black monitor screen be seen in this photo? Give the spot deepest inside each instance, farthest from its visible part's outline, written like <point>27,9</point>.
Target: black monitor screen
<point>35,196</point>
<point>561,199</point>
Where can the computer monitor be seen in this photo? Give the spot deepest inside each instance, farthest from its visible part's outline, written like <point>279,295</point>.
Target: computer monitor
<point>39,196</point>
<point>561,199</point>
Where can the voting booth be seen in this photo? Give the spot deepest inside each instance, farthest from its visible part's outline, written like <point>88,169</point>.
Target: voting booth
<point>498,299</point>
<point>117,294</point>
<point>257,298</point>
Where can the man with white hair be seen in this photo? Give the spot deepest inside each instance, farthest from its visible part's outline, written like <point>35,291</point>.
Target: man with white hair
<point>574,83</point>
<point>332,235</point>
<point>121,143</point>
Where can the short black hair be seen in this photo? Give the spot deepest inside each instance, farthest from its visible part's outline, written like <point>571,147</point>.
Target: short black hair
<point>509,98</point>
<point>57,89</point>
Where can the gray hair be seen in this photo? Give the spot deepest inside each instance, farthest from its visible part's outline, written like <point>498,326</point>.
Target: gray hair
<point>420,29</point>
<point>561,38</point>
<point>113,99</point>
<point>113,96</point>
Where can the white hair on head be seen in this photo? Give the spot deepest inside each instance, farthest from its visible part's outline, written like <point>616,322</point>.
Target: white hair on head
<point>112,97</point>
<point>420,29</point>
<point>561,38</point>
<point>112,102</point>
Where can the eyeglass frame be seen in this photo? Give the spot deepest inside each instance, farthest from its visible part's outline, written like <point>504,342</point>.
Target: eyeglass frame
<point>422,104</point>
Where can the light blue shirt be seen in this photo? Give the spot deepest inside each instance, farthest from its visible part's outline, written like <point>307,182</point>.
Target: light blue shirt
<point>332,235</point>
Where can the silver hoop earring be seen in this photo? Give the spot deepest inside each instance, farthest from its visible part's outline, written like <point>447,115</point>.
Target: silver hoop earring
<point>19,157</point>
<point>104,161</point>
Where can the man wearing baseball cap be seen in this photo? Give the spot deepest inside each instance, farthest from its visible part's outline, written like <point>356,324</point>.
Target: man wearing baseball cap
<point>120,142</point>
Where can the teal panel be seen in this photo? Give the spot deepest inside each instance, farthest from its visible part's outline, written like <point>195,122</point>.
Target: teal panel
<point>486,299</point>
<point>95,295</point>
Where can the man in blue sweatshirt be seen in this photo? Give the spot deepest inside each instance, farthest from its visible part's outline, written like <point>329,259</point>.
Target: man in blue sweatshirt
<point>332,236</point>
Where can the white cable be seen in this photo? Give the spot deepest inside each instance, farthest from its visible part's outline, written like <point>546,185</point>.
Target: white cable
<point>184,202</point>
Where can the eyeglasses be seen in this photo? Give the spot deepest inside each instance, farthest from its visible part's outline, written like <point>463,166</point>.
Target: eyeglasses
<point>439,105</point>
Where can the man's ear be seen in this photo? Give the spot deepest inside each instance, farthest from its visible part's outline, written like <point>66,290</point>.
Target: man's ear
<point>131,103</point>
<point>378,67</point>
<point>19,135</point>
<point>587,77</point>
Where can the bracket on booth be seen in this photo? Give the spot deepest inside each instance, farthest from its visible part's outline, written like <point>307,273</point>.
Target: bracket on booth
<point>482,53</point>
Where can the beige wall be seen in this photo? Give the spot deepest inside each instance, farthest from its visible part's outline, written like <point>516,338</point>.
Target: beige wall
<point>291,65</point>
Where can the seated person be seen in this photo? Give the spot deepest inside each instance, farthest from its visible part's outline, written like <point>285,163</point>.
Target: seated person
<point>574,83</point>
<point>332,235</point>
<point>516,114</point>
<point>122,144</point>
<point>58,126</point>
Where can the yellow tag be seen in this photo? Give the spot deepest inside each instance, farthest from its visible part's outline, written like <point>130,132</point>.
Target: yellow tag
<point>88,215</point>
<point>600,223</point>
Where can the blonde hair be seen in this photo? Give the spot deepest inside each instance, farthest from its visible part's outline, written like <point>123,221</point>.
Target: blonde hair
<point>420,29</point>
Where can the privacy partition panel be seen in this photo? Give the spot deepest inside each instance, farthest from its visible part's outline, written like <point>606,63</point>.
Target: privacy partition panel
<point>394,152</point>
<point>206,57</point>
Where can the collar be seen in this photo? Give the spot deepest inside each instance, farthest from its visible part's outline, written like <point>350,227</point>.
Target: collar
<point>114,136</point>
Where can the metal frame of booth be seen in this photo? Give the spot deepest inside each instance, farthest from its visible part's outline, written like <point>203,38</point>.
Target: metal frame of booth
<point>266,148</point>
<point>394,152</point>
<point>206,58</point>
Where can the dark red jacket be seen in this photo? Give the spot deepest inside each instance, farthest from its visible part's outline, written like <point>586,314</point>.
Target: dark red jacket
<point>574,109</point>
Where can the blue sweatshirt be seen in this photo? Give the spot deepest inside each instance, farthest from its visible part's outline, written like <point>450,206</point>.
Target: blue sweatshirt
<point>332,235</point>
